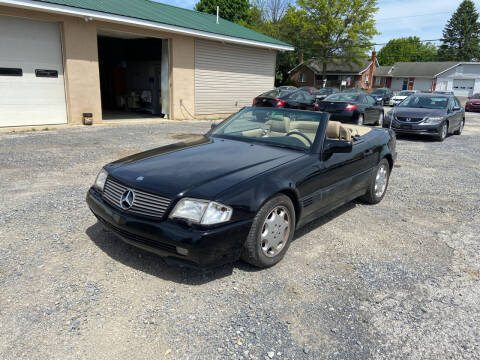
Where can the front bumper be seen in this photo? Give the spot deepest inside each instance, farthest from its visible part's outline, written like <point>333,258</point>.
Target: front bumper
<point>471,107</point>
<point>206,247</point>
<point>407,128</point>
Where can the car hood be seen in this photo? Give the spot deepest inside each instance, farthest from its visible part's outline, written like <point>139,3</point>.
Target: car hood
<point>474,101</point>
<point>199,169</point>
<point>418,112</point>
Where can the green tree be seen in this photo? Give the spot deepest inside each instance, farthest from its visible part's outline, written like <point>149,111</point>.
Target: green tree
<point>335,30</point>
<point>461,36</point>
<point>232,10</point>
<point>408,49</point>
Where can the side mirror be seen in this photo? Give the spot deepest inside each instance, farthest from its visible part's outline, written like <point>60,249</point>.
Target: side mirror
<point>213,125</point>
<point>457,108</point>
<point>337,146</point>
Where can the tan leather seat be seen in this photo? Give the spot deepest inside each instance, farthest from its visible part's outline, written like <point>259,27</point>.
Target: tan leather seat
<point>307,128</point>
<point>337,131</point>
<point>277,125</point>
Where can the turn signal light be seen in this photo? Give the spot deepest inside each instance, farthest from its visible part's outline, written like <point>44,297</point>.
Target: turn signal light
<point>280,103</point>
<point>351,107</point>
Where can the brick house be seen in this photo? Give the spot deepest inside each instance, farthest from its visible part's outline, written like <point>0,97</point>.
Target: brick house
<point>309,74</point>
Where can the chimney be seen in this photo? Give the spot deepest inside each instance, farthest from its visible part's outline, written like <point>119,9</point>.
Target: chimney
<point>374,56</point>
<point>301,58</point>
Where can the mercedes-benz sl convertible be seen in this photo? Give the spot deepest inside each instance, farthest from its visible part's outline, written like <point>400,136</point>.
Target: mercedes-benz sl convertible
<point>242,190</point>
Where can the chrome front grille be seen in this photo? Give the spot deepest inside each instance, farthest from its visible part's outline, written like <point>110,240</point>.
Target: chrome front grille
<point>412,120</point>
<point>145,204</point>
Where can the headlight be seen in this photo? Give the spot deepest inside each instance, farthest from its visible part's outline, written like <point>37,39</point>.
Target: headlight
<point>432,120</point>
<point>100,181</point>
<point>202,211</point>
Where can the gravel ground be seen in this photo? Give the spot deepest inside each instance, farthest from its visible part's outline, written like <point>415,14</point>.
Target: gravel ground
<point>396,280</point>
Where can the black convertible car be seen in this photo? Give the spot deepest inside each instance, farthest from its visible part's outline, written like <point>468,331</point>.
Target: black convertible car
<point>244,188</point>
<point>357,108</point>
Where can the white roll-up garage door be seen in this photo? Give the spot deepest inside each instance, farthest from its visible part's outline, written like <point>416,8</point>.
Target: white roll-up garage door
<point>463,87</point>
<point>32,90</point>
<point>228,77</point>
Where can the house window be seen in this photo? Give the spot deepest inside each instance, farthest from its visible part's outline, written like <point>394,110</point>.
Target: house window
<point>302,77</point>
<point>11,72</point>
<point>378,81</point>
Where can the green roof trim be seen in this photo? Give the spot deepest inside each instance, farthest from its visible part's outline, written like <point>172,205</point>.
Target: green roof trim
<point>170,15</point>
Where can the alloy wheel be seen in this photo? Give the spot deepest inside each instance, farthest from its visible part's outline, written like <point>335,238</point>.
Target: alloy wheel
<point>275,231</point>
<point>381,181</point>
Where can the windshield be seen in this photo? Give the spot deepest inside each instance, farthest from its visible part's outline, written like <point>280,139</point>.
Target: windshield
<point>344,97</point>
<point>425,102</point>
<point>291,129</point>
<point>378,92</point>
<point>299,95</point>
<point>405,93</point>
<point>476,96</point>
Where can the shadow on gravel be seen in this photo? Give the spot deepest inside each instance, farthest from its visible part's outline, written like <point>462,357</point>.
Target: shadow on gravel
<point>155,265</point>
<point>418,138</point>
<point>311,226</point>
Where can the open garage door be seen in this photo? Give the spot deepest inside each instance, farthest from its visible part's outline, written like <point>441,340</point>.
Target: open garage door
<point>463,87</point>
<point>31,73</point>
<point>228,77</point>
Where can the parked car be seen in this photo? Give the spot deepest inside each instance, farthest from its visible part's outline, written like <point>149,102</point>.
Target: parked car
<point>309,89</point>
<point>271,98</point>
<point>356,108</point>
<point>354,91</point>
<point>244,188</point>
<point>287,88</point>
<point>428,114</point>
<point>473,103</point>
<point>382,94</point>
<point>299,99</point>
<point>443,92</point>
<point>402,95</point>
<point>323,93</point>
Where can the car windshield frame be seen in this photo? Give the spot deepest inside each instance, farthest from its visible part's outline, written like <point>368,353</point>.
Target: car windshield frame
<point>408,102</point>
<point>297,115</point>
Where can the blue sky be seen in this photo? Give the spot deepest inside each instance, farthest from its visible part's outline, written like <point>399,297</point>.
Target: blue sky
<point>398,18</point>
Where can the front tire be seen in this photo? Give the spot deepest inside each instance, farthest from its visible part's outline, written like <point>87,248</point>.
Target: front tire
<point>443,132</point>
<point>378,184</point>
<point>380,119</point>
<point>271,233</point>
<point>360,119</point>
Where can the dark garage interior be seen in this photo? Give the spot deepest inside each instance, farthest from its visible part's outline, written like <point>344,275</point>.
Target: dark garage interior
<point>130,77</point>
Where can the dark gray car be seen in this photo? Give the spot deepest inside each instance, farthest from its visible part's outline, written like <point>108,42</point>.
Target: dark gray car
<point>427,114</point>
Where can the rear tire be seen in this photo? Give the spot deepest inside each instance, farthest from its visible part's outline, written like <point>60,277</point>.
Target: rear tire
<point>460,129</point>
<point>378,183</point>
<point>271,233</point>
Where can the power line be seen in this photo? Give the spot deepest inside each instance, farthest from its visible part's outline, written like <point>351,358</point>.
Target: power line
<point>412,16</point>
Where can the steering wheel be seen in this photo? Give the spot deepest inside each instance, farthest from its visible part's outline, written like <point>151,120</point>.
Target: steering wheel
<point>302,135</point>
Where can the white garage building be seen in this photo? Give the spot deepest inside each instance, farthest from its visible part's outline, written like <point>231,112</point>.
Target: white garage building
<point>61,60</point>
<point>463,78</point>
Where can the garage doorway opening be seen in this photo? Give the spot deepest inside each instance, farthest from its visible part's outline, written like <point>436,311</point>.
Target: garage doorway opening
<point>133,76</point>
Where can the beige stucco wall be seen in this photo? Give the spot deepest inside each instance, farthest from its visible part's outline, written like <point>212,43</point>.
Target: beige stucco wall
<point>81,69</point>
<point>82,80</point>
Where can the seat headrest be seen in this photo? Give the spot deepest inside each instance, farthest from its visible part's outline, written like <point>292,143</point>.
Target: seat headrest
<point>279,123</point>
<point>333,130</point>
